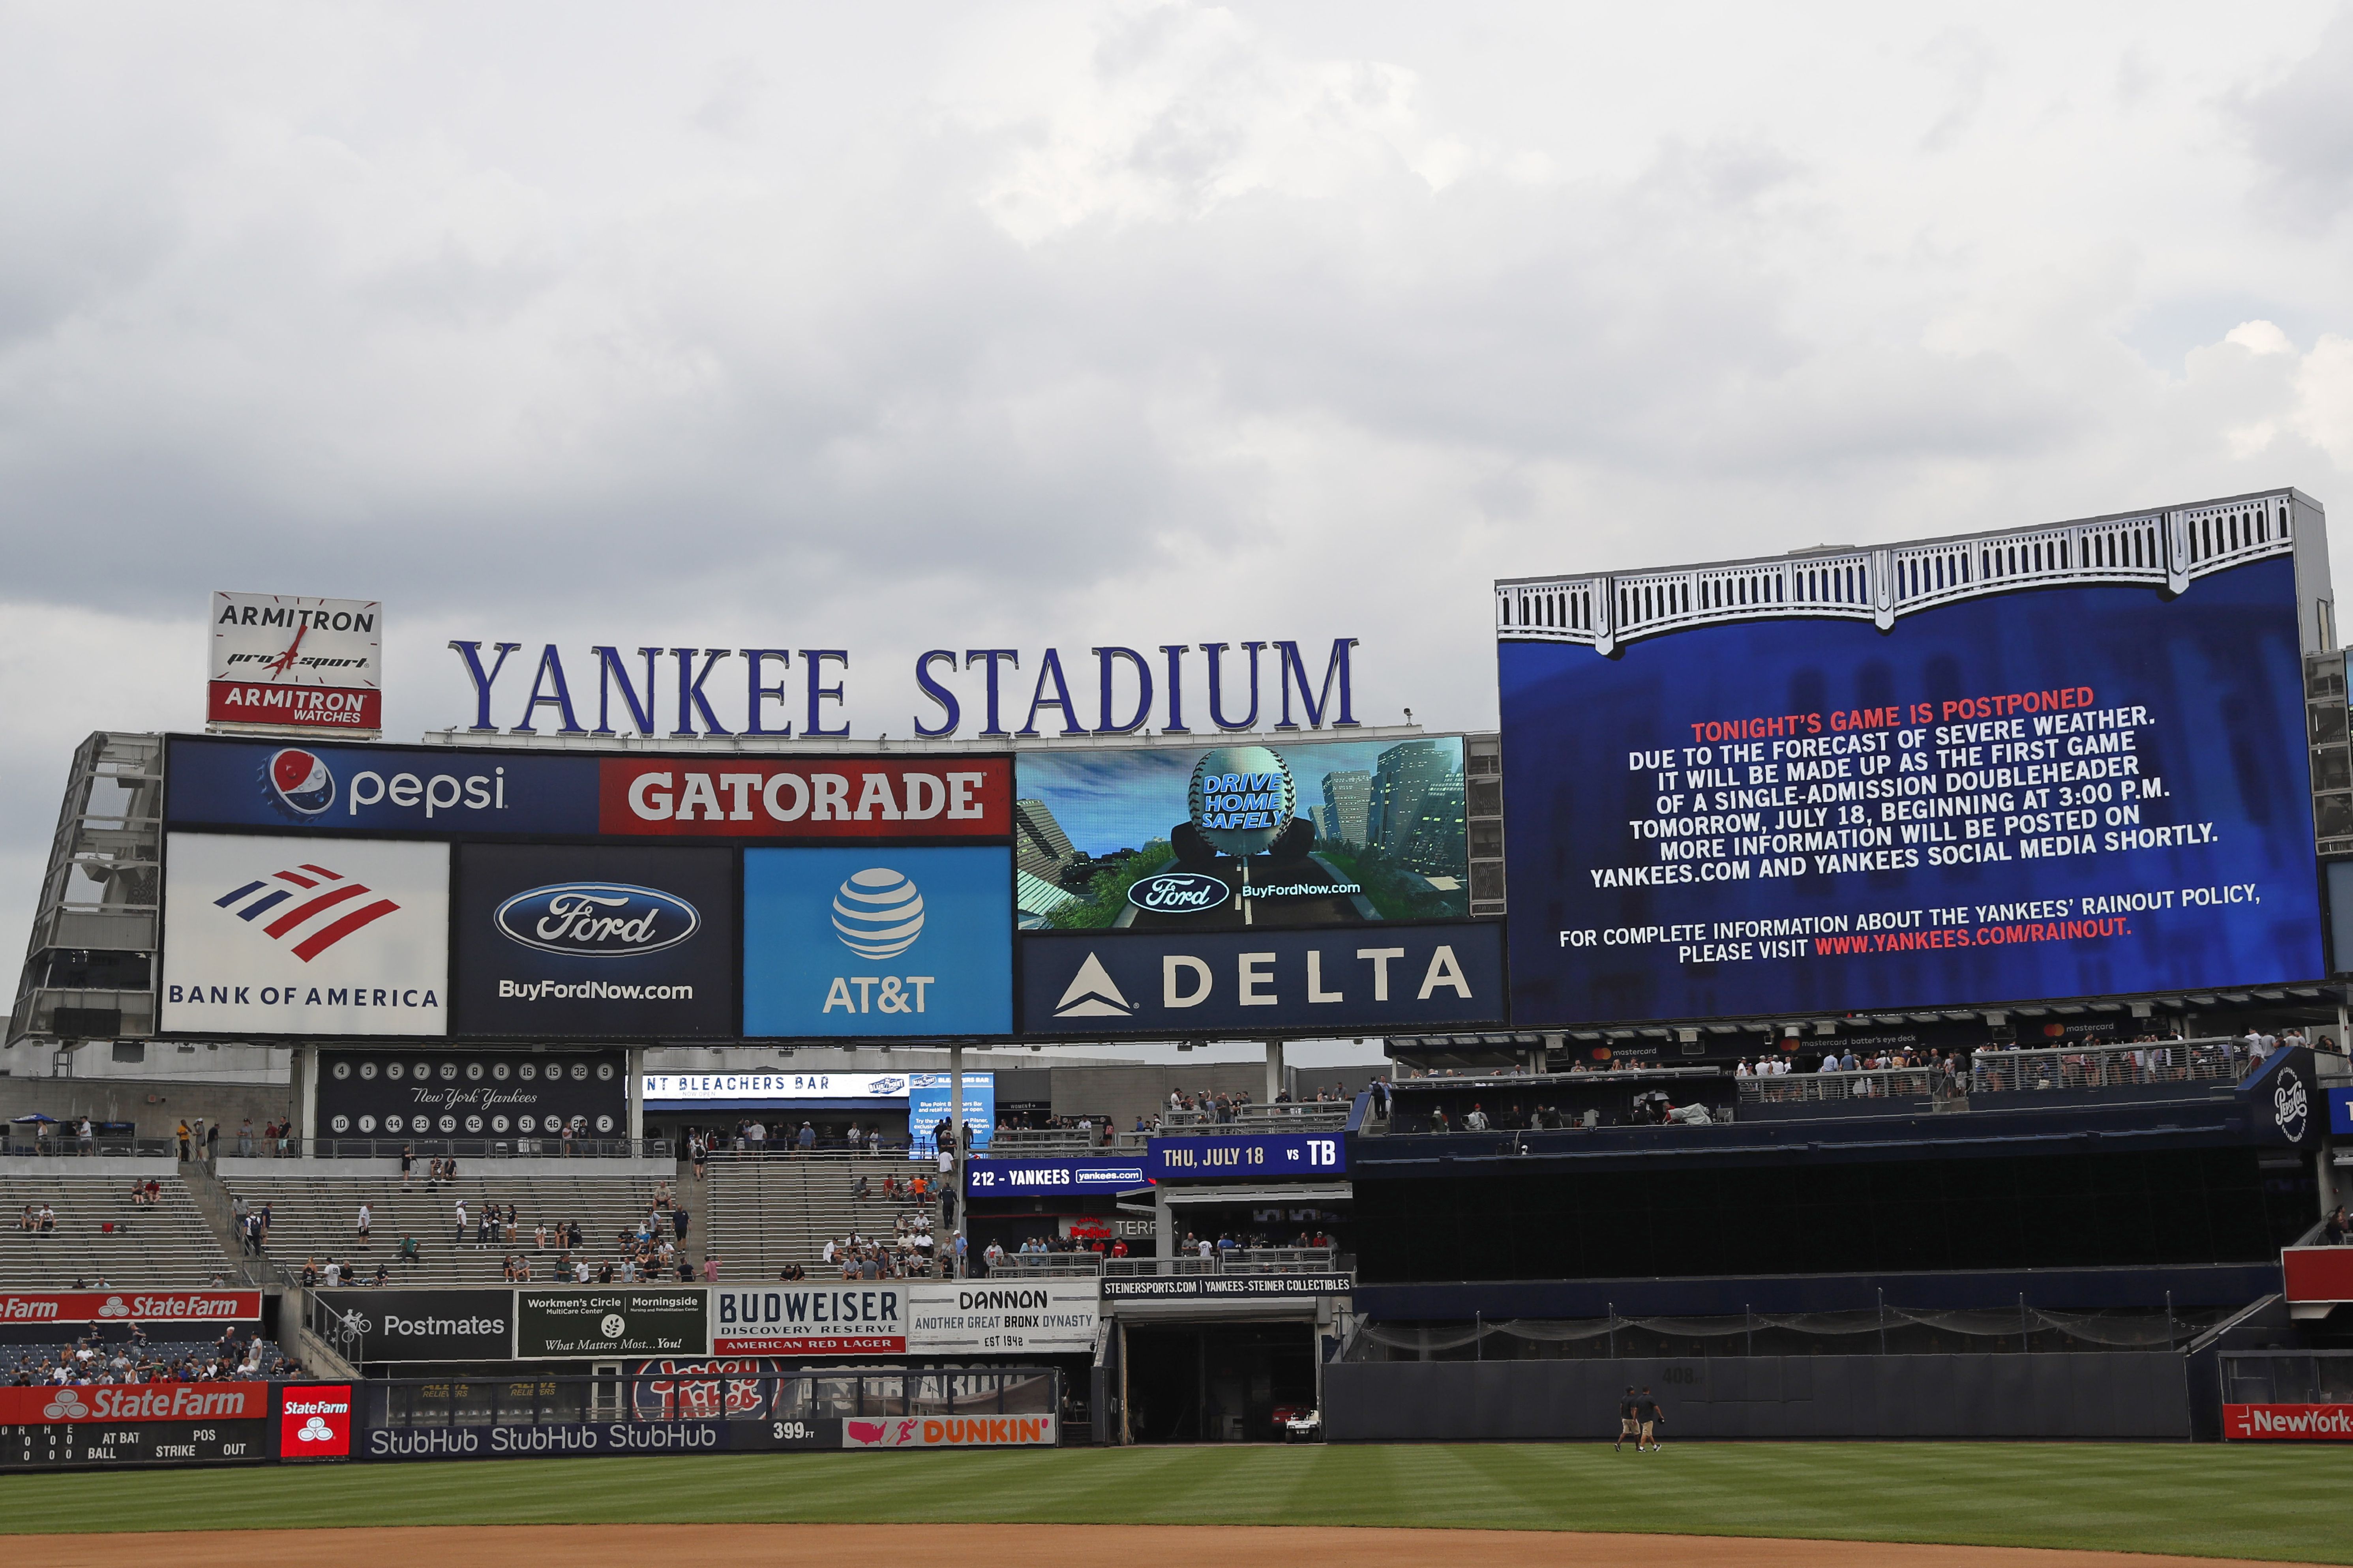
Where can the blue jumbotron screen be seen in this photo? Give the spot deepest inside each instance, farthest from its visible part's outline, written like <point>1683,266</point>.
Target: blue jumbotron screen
<point>2054,793</point>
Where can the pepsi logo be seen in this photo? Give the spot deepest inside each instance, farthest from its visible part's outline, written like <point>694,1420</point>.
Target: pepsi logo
<point>1179,892</point>
<point>596,920</point>
<point>301,781</point>
<point>878,913</point>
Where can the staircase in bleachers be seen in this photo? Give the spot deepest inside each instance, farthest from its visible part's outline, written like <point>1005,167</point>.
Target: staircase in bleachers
<point>768,1210</point>
<point>167,1245</point>
<point>315,1216</point>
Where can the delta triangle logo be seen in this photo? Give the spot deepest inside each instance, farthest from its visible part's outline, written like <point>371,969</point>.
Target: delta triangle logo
<point>1093,995</point>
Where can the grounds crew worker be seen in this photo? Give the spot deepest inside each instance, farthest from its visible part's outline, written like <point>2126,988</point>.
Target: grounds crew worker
<point>1628,1424</point>
<point>1653,1418</point>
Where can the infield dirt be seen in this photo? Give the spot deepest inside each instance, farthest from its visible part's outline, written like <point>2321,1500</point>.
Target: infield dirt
<point>1026,1546</point>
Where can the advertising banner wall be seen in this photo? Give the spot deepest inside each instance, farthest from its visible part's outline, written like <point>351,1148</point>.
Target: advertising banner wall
<point>2074,791</point>
<point>573,1324</point>
<point>807,798</point>
<point>474,1094</point>
<point>929,1101</point>
<point>1025,1178</point>
<point>1177,1288</point>
<point>950,1432</point>
<point>2288,1423</point>
<point>2316,1273</point>
<point>275,936</point>
<point>508,1442</point>
<point>1313,833</point>
<point>880,941</point>
<point>430,791</point>
<point>139,1424</point>
<point>700,1388</point>
<point>1159,985</point>
<point>2340,1111</point>
<point>575,942</point>
<point>280,662</point>
<point>750,1088</point>
<point>314,1422</point>
<point>1242,1158</point>
<point>78,1307</point>
<point>810,1320</point>
<point>368,1325</point>
<point>135,1402</point>
<point>1044,1317</point>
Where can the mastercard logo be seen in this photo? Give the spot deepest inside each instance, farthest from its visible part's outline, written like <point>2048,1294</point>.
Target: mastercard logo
<point>302,781</point>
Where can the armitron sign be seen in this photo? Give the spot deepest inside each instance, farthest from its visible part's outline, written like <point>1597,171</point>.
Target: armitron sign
<point>285,664</point>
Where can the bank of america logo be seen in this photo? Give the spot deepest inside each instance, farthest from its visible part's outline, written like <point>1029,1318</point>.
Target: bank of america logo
<point>325,907</point>
<point>1091,994</point>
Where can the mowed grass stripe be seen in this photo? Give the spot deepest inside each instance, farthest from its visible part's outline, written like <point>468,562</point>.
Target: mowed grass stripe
<point>2283,1503</point>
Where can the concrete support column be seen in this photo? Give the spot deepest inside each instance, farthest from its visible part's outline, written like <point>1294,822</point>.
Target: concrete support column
<point>306,1092</point>
<point>636,1093</point>
<point>955,1174</point>
<point>1274,1071</point>
<point>1164,1223</point>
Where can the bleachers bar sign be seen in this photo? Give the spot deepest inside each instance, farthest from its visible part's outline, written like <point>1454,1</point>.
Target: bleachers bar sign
<point>1162,984</point>
<point>78,1308</point>
<point>285,664</point>
<point>847,1319</point>
<point>582,1321</point>
<point>135,1424</point>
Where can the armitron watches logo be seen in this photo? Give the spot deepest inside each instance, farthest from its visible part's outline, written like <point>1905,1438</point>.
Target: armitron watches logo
<point>879,913</point>
<point>301,782</point>
<point>313,923</point>
<point>596,920</point>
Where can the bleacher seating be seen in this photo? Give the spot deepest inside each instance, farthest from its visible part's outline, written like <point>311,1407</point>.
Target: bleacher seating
<point>167,1245</point>
<point>41,1360</point>
<point>314,1217</point>
<point>769,1210</point>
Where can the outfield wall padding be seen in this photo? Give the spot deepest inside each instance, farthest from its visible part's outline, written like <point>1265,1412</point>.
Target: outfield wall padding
<point>2112,1395</point>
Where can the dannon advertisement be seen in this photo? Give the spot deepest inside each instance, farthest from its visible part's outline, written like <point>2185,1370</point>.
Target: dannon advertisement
<point>2079,790</point>
<point>278,936</point>
<point>1044,1317</point>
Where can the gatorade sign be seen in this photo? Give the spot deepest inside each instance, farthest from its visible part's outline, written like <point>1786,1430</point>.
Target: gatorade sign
<point>314,1421</point>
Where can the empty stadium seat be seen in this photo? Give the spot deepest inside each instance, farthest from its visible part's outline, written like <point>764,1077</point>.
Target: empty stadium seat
<point>166,1247</point>
<point>768,1210</point>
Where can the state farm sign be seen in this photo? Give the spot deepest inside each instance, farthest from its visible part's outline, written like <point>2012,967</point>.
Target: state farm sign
<point>281,663</point>
<point>135,1402</point>
<point>130,1306</point>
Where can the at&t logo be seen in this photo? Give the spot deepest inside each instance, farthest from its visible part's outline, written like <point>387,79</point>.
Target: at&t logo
<point>878,913</point>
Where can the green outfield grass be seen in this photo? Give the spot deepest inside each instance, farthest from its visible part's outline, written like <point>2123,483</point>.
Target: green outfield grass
<point>2211,1500</point>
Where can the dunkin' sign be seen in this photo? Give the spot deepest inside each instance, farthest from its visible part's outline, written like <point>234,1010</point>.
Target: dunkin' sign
<point>135,1402</point>
<point>950,1432</point>
<point>130,1307</point>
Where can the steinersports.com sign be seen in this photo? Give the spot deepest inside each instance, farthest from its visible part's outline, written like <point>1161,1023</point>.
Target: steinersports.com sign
<point>130,1307</point>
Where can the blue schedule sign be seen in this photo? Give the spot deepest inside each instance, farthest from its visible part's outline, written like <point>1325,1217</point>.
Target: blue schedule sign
<point>376,789</point>
<point>2070,791</point>
<point>929,1101</point>
<point>1024,1178</point>
<point>1097,984</point>
<point>878,941</point>
<point>2340,1113</point>
<point>1247,1157</point>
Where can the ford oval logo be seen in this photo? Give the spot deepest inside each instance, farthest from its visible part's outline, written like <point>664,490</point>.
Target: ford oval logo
<point>1178,893</point>
<point>596,920</point>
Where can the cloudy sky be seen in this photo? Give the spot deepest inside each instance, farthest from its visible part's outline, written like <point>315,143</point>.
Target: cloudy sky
<point>892,327</point>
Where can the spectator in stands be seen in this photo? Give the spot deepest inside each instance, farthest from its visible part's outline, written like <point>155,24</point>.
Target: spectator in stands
<point>409,1252</point>
<point>184,1141</point>
<point>1476,1122</point>
<point>807,1138</point>
<point>408,1159</point>
<point>366,1218</point>
<point>49,1222</point>
<point>245,1137</point>
<point>460,1238</point>
<point>309,1273</point>
<point>711,1269</point>
<point>2335,1232</point>
<point>212,1141</point>
<point>382,1277</point>
<point>698,1150</point>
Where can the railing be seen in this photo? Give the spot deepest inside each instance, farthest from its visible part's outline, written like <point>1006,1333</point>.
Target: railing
<point>66,1146</point>
<point>1020,1143</point>
<point>2214,1059</point>
<point>534,1398</point>
<point>1050,1265</point>
<point>2167,549</point>
<point>1870,1083</point>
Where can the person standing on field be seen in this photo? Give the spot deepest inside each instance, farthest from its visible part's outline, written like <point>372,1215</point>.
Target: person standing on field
<point>1628,1424</point>
<point>1653,1418</point>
